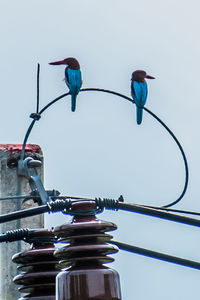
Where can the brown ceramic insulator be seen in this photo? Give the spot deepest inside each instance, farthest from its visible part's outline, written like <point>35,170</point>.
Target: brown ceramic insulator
<point>84,275</point>
<point>37,268</point>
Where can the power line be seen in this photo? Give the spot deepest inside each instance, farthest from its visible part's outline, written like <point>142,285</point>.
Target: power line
<point>110,204</point>
<point>157,255</point>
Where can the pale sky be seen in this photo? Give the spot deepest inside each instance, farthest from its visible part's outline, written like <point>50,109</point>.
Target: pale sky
<point>100,151</point>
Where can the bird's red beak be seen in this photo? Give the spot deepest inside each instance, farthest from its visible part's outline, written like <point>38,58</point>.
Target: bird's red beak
<point>60,62</point>
<point>149,77</point>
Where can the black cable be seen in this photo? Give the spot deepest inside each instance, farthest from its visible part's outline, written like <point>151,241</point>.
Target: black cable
<point>183,155</point>
<point>107,91</point>
<point>136,208</point>
<point>30,236</point>
<point>158,213</point>
<point>52,206</point>
<point>23,213</point>
<point>130,100</point>
<point>33,122</point>
<point>157,255</point>
<point>168,130</point>
<point>142,205</point>
<point>29,196</point>
<point>25,139</point>
<point>15,235</point>
<point>17,197</point>
<point>65,207</point>
<point>52,102</point>
<point>38,88</point>
<point>188,212</point>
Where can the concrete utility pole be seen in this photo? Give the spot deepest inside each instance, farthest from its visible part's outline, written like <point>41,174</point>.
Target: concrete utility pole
<point>11,184</point>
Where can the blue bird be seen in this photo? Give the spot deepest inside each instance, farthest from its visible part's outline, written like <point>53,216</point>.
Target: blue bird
<point>139,91</point>
<point>72,77</point>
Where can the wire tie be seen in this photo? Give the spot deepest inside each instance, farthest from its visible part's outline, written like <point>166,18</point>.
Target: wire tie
<point>35,116</point>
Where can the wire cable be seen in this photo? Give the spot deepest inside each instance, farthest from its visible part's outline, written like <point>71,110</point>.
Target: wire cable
<point>183,155</point>
<point>157,255</point>
<point>130,100</point>
<point>158,213</point>
<point>17,197</point>
<point>33,123</point>
<point>142,205</point>
<point>110,204</point>
<point>181,211</point>
<point>38,89</point>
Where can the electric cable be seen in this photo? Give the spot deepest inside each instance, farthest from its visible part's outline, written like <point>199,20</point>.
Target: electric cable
<point>110,204</point>
<point>130,100</point>
<point>157,255</point>
<point>38,89</point>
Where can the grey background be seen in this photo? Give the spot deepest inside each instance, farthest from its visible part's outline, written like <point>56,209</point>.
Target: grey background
<point>99,150</point>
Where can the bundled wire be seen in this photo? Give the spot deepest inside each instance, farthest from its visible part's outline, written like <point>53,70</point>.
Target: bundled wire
<point>65,206</point>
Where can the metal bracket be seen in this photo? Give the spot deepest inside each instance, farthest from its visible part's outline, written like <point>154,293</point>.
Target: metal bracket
<point>27,168</point>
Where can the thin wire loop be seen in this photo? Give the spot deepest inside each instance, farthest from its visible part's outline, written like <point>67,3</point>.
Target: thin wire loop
<point>33,122</point>
<point>183,155</point>
<point>130,100</point>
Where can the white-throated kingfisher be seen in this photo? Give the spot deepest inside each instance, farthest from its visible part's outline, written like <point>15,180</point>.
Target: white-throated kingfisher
<point>139,91</point>
<point>72,77</point>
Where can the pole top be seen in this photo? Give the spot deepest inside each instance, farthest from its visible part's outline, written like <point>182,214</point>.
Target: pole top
<point>18,147</point>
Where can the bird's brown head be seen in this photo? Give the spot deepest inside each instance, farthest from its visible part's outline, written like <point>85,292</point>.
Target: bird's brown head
<point>71,62</point>
<point>140,75</point>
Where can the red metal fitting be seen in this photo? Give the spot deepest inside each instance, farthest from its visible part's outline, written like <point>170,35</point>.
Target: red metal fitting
<point>38,267</point>
<point>84,276</point>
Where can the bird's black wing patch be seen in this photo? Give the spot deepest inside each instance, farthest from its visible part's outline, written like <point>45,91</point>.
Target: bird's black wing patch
<point>66,76</point>
<point>132,89</point>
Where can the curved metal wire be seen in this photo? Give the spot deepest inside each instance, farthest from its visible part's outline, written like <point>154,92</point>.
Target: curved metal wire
<point>183,155</point>
<point>130,100</point>
<point>25,139</point>
<point>33,122</point>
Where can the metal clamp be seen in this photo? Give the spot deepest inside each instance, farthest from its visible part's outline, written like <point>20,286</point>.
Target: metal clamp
<point>27,168</point>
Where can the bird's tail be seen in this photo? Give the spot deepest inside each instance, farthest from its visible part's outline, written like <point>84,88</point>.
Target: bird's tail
<point>73,104</point>
<point>139,114</point>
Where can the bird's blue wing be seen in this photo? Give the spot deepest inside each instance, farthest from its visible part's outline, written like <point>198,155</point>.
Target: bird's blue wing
<point>139,93</point>
<point>73,80</point>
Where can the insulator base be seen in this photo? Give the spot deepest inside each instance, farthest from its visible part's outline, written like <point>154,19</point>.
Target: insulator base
<point>94,283</point>
<point>84,276</point>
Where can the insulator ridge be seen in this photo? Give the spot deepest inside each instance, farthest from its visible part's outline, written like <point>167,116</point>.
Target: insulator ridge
<point>38,268</point>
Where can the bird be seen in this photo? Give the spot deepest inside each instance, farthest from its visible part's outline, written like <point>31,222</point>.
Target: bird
<point>139,91</point>
<point>73,77</point>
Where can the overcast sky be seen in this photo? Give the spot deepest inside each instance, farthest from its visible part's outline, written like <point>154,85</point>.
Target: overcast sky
<point>100,151</point>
